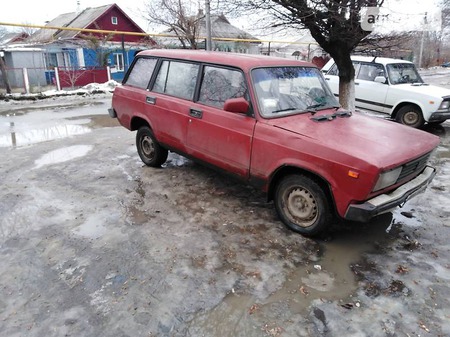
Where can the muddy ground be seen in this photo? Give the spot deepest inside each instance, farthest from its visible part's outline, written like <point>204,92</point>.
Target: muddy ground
<point>93,243</point>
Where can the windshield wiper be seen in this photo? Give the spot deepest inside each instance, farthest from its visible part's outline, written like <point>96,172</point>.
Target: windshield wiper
<point>340,114</point>
<point>283,110</point>
<point>313,108</point>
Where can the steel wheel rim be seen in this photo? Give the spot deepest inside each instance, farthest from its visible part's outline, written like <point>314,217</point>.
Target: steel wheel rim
<point>410,118</point>
<point>301,207</point>
<point>148,147</point>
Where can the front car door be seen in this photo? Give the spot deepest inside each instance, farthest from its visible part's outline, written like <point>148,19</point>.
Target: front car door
<point>371,95</point>
<point>219,137</point>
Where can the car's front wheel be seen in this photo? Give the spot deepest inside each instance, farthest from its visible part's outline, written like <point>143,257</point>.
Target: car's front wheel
<point>410,115</point>
<point>302,205</point>
<point>149,150</point>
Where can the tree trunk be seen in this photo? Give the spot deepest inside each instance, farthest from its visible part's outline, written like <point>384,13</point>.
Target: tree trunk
<point>346,78</point>
<point>5,75</point>
<point>347,94</point>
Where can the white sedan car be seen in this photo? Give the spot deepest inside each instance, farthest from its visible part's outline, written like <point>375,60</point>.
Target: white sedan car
<point>394,87</point>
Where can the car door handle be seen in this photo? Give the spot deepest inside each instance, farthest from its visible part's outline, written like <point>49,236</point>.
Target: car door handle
<point>327,78</point>
<point>356,83</point>
<point>150,100</point>
<point>195,113</point>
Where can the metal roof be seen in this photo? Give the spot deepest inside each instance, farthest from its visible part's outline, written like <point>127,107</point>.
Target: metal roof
<point>82,19</point>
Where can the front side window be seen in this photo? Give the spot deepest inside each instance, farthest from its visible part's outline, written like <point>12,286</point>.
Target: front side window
<point>220,84</point>
<point>291,90</point>
<point>368,71</point>
<point>403,73</point>
<point>177,79</point>
<point>141,72</point>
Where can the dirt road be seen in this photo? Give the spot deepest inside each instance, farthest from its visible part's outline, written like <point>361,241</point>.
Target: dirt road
<point>93,243</point>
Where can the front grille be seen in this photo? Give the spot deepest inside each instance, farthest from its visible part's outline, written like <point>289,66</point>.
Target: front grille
<point>413,167</point>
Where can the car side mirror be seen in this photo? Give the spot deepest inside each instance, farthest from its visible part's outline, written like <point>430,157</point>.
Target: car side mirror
<point>236,105</point>
<point>380,79</point>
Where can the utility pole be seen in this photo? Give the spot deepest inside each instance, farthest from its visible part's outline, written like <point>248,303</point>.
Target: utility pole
<point>208,25</point>
<point>421,41</point>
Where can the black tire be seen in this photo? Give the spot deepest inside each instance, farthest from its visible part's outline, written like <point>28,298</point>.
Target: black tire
<point>410,115</point>
<point>302,205</point>
<point>149,150</point>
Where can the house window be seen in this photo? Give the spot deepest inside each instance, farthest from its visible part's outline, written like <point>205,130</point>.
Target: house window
<point>118,61</point>
<point>51,60</point>
<point>114,20</point>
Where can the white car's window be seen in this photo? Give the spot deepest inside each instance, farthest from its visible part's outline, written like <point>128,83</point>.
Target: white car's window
<point>403,73</point>
<point>220,84</point>
<point>290,90</point>
<point>177,79</point>
<point>141,72</point>
<point>334,71</point>
<point>368,71</point>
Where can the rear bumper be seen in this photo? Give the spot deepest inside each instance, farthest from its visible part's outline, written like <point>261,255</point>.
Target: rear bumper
<point>386,202</point>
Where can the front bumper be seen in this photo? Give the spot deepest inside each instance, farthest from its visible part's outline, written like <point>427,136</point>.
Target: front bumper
<point>439,116</point>
<point>386,202</point>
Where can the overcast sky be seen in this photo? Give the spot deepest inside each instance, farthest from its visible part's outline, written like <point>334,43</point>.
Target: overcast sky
<point>39,11</point>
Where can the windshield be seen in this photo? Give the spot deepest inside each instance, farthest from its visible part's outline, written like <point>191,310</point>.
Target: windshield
<point>403,73</point>
<point>290,90</point>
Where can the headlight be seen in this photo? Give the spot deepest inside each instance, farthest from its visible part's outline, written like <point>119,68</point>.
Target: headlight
<point>387,179</point>
<point>444,105</point>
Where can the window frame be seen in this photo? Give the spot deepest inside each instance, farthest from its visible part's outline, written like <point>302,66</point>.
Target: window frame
<point>114,20</point>
<point>218,66</point>
<point>157,71</point>
<point>120,66</point>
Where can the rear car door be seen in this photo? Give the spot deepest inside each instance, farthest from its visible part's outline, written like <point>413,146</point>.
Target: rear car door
<point>169,101</point>
<point>216,136</point>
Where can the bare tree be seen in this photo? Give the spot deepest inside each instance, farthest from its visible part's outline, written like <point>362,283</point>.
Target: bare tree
<point>334,24</point>
<point>181,18</point>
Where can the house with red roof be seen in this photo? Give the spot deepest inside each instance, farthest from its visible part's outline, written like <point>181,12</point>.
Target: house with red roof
<point>85,40</point>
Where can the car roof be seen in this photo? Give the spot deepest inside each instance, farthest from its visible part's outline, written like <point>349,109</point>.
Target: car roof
<point>243,61</point>
<point>382,60</point>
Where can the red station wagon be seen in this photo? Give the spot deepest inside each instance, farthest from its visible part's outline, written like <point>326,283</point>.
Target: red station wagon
<point>275,124</point>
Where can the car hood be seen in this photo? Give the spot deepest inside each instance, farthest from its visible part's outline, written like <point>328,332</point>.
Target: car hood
<point>374,140</point>
<point>424,89</point>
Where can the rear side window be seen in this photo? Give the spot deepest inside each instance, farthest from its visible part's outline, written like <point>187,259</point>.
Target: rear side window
<point>177,79</point>
<point>141,73</point>
<point>335,71</point>
<point>220,84</point>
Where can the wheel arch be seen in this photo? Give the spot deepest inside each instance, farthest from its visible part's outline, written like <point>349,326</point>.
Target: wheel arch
<point>401,105</point>
<point>137,122</point>
<point>284,171</point>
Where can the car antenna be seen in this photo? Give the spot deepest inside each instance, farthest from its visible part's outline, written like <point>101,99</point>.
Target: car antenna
<point>375,57</point>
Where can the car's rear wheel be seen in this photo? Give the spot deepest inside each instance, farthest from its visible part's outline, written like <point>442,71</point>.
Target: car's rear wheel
<point>410,115</point>
<point>302,205</point>
<point>149,150</point>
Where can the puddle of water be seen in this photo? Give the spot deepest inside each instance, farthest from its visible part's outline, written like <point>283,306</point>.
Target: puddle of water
<point>92,228</point>
<point>330,278</point>
<point>26,126</point>
<point>62,155</point>
<point>27,137</point>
